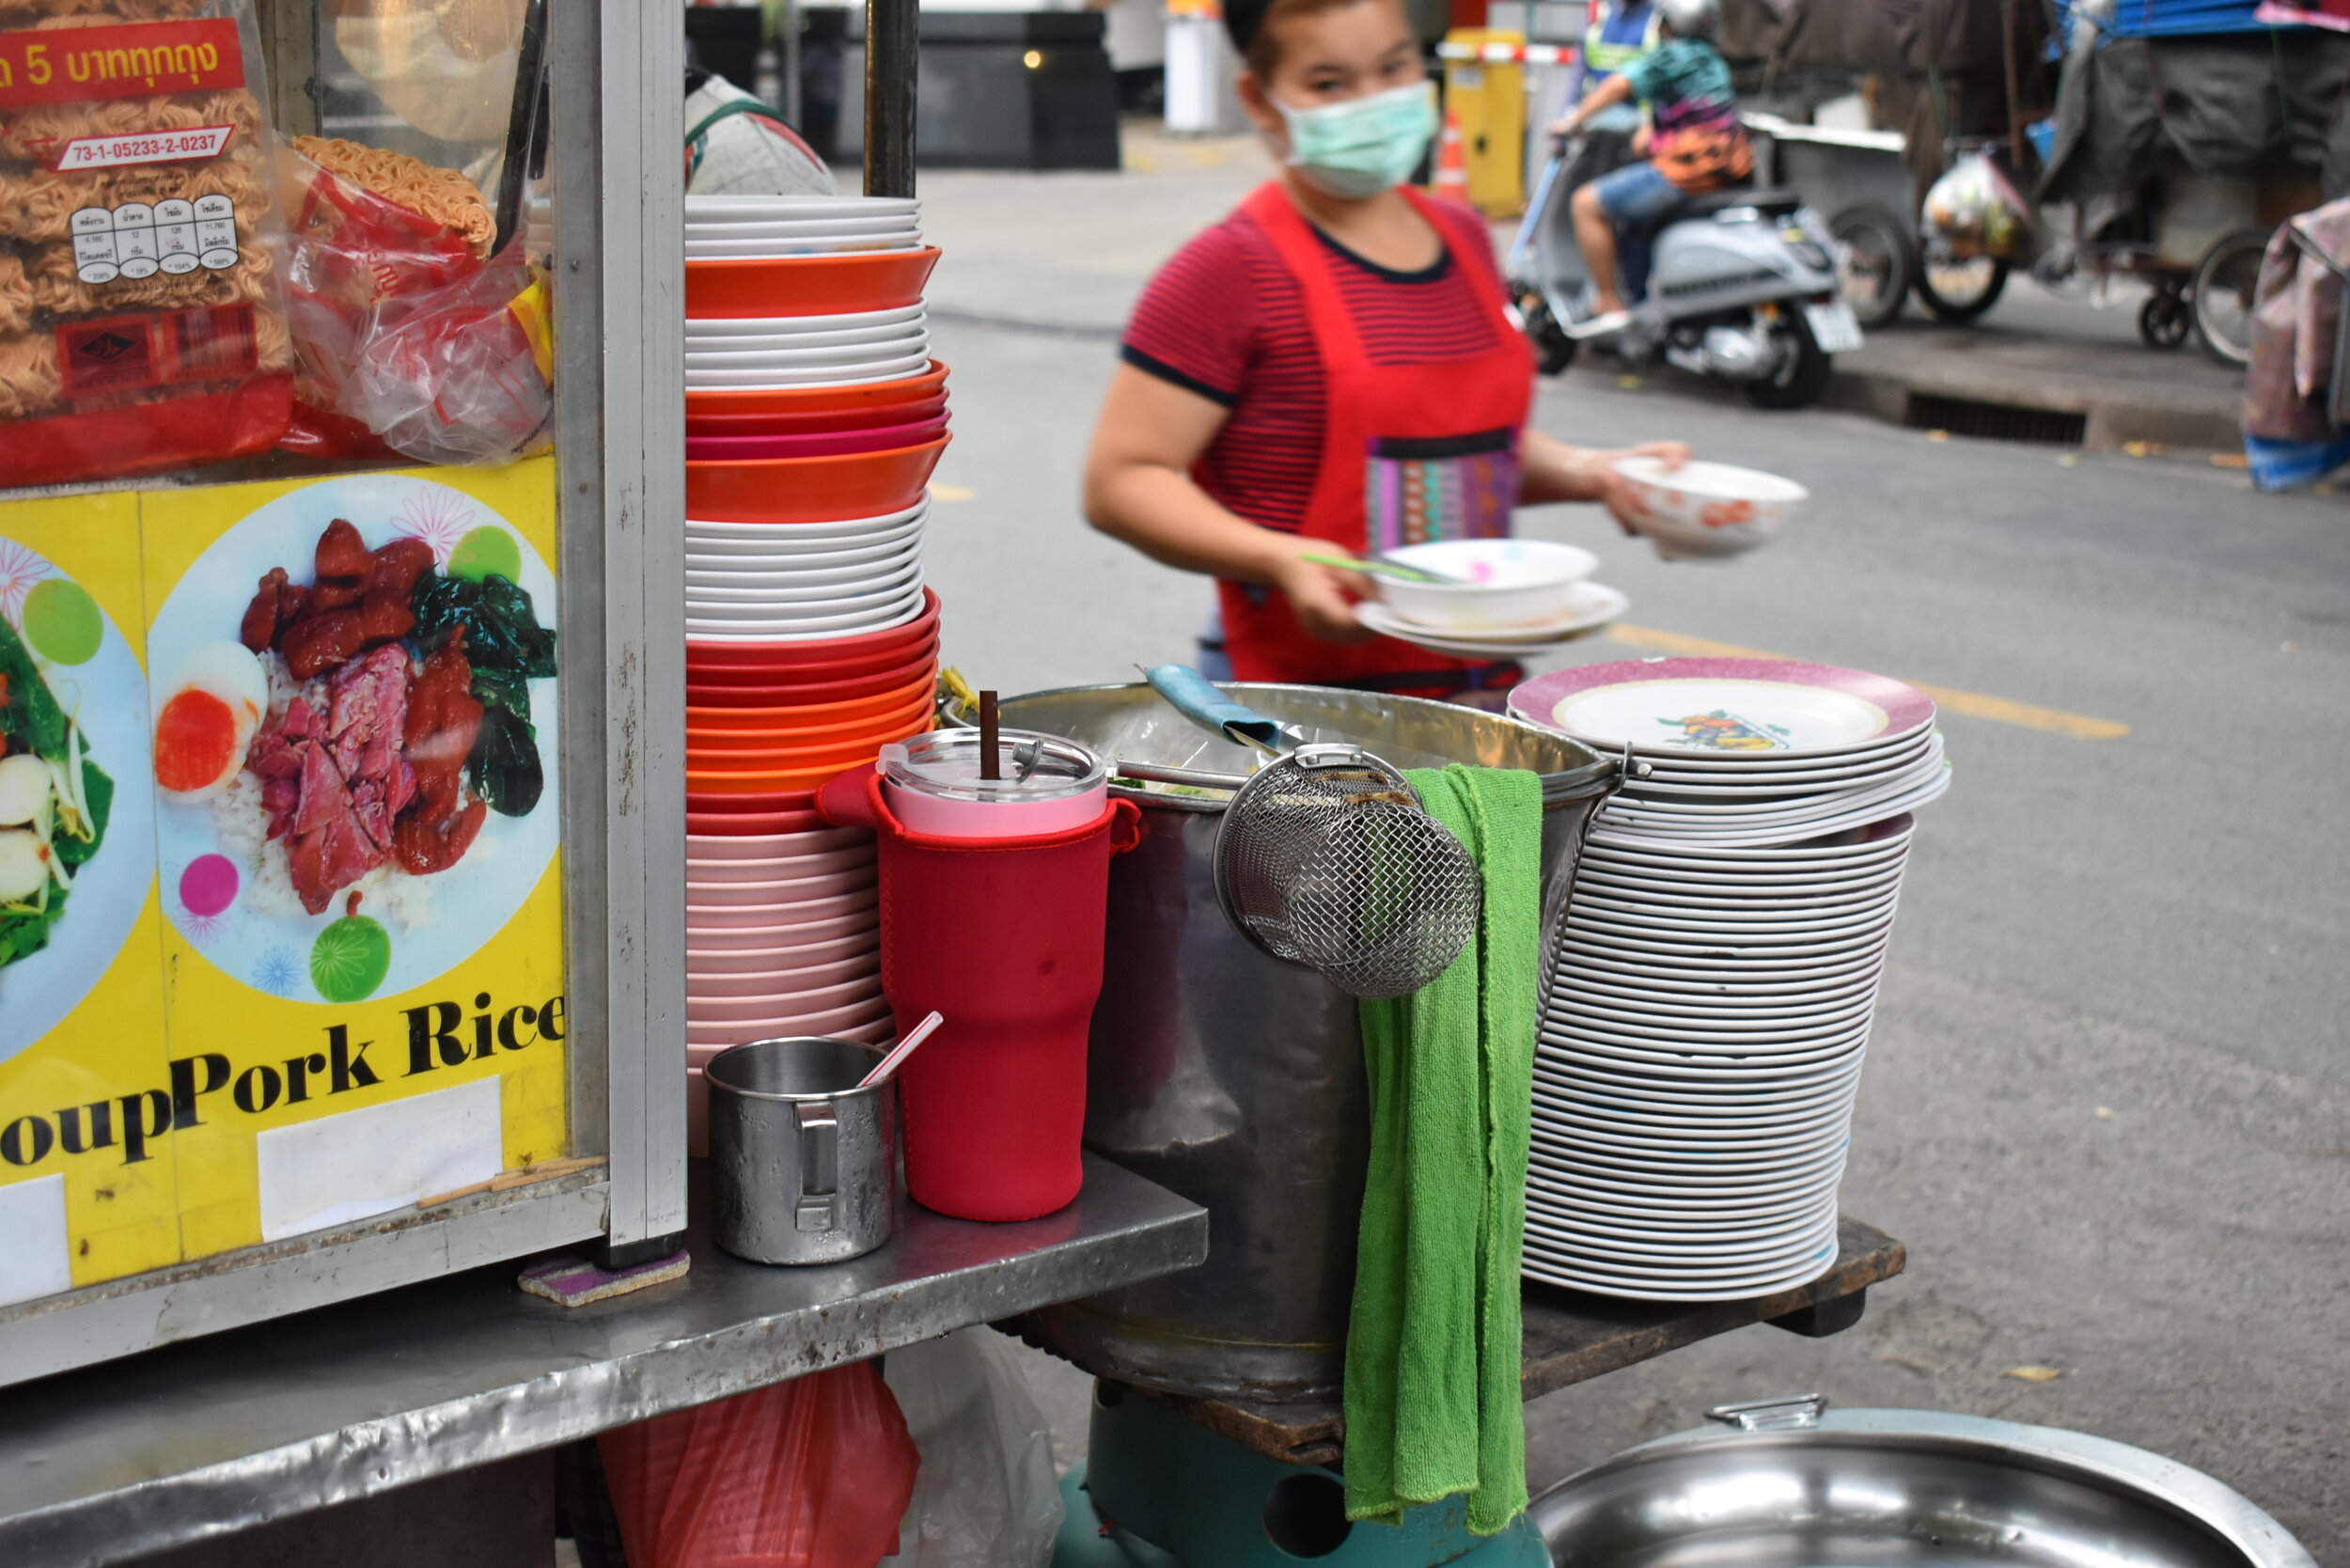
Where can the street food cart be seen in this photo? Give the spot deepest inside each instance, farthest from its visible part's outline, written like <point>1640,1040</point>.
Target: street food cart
<point>277,1123</point>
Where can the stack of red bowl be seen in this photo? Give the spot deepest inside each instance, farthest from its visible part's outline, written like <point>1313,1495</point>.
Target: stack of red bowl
<point>813,418</point>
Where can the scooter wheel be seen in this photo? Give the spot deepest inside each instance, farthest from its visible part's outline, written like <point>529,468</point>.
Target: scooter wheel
<point>1554,351</point>
<point>1802,374</point>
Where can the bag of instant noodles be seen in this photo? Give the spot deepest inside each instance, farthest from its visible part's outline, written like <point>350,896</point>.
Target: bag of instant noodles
<point>141,321</point>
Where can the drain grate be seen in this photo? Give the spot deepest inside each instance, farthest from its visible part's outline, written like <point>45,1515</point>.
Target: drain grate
<point>1984,421</point>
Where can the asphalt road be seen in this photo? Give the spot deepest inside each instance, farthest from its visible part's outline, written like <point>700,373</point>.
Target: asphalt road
<point>2104,1105</point>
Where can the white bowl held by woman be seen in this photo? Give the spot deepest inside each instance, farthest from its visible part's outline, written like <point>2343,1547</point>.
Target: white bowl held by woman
<point>1496,583</point>
<point>1707,509</point>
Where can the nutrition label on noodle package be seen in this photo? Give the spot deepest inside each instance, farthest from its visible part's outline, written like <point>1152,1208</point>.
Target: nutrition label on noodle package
<point>136,240</point>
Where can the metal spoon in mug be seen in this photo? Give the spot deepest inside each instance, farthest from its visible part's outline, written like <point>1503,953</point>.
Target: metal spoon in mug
<point>888,1066</point>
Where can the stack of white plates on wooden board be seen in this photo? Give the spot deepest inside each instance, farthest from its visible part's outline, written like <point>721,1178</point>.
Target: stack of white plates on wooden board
<point>1715,978</point>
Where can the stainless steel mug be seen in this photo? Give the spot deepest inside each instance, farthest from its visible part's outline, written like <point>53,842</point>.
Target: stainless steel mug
<point>803,1164</point>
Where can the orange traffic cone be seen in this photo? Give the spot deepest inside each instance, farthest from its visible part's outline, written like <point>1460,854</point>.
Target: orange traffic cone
<point>1451,178</point>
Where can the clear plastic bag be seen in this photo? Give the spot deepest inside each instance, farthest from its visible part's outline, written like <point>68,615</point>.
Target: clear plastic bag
<point>351,255</point>
<point>141,321</point>
<point>987,1495</point>
<point>463,375</point>
<point>813,1473</point>
<point>1975,210</point>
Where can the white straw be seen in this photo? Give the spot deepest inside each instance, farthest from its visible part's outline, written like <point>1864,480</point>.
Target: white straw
<point>903,1049</point>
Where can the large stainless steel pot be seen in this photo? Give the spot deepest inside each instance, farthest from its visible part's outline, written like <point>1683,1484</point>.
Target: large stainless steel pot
<point>1236,1080</point>
<point>1788,1484</point>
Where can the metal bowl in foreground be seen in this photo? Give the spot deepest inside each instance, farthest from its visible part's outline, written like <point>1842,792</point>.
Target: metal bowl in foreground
<point>1789,1486</point>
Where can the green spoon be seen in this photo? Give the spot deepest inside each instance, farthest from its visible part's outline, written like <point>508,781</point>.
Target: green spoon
<point>1382,569</point>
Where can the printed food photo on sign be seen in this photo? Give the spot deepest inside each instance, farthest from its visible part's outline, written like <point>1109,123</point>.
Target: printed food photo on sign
<point>354,738</point>
<point>77,837</point>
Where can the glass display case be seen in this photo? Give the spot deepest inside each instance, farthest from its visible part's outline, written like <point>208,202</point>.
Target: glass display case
<point>340,652</point>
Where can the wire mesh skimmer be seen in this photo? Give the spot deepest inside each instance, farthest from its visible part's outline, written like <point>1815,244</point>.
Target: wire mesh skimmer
<point>1326,858</point>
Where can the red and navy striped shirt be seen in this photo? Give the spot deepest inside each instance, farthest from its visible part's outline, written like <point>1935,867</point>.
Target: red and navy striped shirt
<point>1225,318</point>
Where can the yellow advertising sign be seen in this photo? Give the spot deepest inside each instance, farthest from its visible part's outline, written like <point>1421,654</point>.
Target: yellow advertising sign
<point>280,891</point>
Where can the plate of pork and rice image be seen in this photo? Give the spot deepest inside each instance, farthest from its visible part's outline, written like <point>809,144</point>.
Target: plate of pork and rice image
<point>354,738</point>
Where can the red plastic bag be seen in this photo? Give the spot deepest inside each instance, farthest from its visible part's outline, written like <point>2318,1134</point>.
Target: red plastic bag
<point>813,1473</point>
<point>354,257</point>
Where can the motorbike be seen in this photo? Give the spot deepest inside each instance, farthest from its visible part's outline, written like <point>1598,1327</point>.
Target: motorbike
<point>1743,287</point>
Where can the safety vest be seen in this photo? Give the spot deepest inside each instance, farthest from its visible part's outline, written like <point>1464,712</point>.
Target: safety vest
<point>1618,35</point>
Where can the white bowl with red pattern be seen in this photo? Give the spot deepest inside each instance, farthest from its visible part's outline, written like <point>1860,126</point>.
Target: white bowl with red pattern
<point>1707,509</point>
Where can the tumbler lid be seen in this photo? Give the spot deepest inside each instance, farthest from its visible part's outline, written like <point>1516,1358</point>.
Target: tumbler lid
<point>946,763</point>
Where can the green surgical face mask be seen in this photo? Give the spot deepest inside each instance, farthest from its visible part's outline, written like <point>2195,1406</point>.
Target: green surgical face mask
<point>1366,145</point>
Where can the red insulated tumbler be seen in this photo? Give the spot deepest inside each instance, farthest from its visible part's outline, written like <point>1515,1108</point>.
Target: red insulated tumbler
<point>1003,937</point>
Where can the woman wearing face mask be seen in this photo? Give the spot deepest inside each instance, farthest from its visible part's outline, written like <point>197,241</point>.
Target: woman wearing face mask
<point>1330,370</point>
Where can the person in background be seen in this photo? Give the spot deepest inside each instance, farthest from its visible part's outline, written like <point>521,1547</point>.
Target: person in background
<point>1694,144</point>
<point>1331,369</point>
<point>737,146</point>
<point>1621,31</point>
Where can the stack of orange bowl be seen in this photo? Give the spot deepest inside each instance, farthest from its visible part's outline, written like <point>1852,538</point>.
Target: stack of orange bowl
<point>814,417</point>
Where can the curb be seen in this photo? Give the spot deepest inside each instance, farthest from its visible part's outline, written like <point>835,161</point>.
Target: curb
<point>2111,423</point>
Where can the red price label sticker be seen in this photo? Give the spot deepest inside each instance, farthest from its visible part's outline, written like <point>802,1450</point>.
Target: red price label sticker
<point>168,147</point>
<point>140,59</point>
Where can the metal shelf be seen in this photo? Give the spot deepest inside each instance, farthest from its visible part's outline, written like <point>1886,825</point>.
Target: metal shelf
<point>260,1423</point>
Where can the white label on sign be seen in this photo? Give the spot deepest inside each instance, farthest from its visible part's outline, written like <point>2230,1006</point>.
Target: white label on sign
<point>336,1170</point>
<point>38,1260</point>
<point>166,147</point>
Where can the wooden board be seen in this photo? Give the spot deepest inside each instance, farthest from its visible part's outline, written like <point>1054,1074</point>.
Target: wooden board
<point>1571,1338</point>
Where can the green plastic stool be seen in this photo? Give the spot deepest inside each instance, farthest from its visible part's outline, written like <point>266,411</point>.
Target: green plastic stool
<point>1157,1491</point>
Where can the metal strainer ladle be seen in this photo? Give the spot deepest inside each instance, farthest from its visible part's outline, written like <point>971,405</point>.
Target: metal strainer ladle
<point>1328,859</point>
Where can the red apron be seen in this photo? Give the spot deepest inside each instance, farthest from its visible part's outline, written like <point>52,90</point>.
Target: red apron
<point>1409,453</point>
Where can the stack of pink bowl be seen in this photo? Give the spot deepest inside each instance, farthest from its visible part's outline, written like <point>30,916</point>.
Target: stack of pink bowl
<point>814,417</point>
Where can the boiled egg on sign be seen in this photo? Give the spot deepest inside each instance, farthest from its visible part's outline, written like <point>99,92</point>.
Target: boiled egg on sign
<point>217,701</point>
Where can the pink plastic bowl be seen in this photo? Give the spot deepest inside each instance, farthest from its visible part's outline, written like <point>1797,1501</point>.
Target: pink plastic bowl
<point>724,449</point>
<point>774,846</point>
<point>783,958</point>
<point>837,926</point>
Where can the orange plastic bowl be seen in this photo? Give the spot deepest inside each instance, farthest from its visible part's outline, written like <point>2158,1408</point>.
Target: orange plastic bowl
<point>714,696</point>
<point>809,285</point>
<point>812,489</point>
<point>864,396</point>
<point>852,745</point>
<point>787,659</point>
<point>704,740</point>
<point>747,815</point>
<point>810,719</point>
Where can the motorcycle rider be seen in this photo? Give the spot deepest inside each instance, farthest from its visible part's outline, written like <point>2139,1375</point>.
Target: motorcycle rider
<point>1693,144</point>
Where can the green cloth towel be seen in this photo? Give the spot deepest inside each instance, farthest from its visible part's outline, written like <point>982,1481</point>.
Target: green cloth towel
<point>1433,1351</point>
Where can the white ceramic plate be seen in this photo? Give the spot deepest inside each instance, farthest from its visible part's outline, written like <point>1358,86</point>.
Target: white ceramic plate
<point>784,250</point>
<point>1715,707</point>
<point>771,381</point>
<point>765,535</point>
<point>1562,1181</point>
<point>734,585</point>
<point>803,631</point>
<point>744,342</point>
<point>737,225</point>
<point>728,560</point>
<point>841,589</point>
<point>768,209</point>
<point>1650,840</point>
<point>879,349</point>
<point>1597,606</point>
<point>758,326</point>
<point>1835,855</point>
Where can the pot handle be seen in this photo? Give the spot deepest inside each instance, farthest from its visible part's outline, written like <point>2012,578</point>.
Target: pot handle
<point>851,799</point>
<point>1126,826</point>
<point>816,1206</point>
<point>1788,1412</point>
<point>1191,694</point>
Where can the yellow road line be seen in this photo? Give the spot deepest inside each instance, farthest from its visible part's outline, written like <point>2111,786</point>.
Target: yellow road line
<point>1973,704</point>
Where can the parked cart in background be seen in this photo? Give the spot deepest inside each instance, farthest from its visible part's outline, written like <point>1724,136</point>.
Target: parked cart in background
<point>2185,132</point>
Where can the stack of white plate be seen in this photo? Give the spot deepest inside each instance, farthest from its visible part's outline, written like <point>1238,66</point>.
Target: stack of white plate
<point>1702,1037</point>
<point>792,582</point>
<point>759,228</point>
<point>752,353</point>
